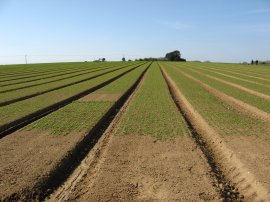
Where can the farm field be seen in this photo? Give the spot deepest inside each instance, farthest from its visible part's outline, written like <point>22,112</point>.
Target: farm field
<point>135,131</point>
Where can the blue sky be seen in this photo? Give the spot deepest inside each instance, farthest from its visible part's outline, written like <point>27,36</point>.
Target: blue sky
<point>76,30</point>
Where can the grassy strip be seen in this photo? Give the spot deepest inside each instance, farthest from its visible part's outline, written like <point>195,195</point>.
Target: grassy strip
<point>258,88</point>
<point>152,110</point>
<point>82,115</point>
<point>221,116</point>
<point>79,116</point>
<point>16,111</point>
<point>258,102</point>
<point>18,95</point>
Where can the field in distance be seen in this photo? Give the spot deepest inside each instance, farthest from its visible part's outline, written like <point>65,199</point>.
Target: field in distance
<point>186,131</point>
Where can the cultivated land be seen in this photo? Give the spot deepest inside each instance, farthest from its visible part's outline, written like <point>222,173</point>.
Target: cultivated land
<point>135,131</point>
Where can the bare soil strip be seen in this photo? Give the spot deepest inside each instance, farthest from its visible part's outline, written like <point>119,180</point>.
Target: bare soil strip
<point>15,125</point>
<point>139,168</point>
<point>253,92</point>
<point>56,88</point>
<point>254,111</point>
<point>48,166</point>
<point>249,81</point>
<point>233,170</point>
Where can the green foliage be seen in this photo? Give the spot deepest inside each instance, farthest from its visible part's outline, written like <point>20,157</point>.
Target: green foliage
<point>152,110</point>
<point>79,116</point>
<point>123,83</point>
<point>174,56</point>
<point>232,91</point>
<point>45,87</point>
<point>223,117</point>
<point>17,110</point>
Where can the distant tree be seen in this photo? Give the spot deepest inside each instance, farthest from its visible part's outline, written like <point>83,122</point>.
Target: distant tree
<point>252,62</point>
<point>103,59</point>
<point>129,60</point>
<point>256,62</point>
<point>174,56</point>
<point>123,59</point>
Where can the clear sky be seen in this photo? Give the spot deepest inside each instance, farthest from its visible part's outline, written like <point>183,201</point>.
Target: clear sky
<point>75,30</point>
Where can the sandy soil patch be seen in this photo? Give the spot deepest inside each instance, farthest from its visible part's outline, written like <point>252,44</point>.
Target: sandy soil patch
<point>27,156</point>
<point>143,168</point>
<point>254,152</point>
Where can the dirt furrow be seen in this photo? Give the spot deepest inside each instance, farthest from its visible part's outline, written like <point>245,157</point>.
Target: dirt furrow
<point>253,92</point>
<point>254,111</point>
<point>90,165</point>
<point>232,168</point>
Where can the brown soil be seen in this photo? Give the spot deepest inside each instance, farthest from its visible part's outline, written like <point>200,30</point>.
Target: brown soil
<point>254,152</point>
<point>254,111</point>
<point>28,156</point>
<point>101,97</point>
<point>233,169</point>
<point>253,92</point>
<point>143,168</point>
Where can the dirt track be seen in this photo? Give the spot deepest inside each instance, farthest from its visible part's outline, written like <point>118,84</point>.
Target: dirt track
<point>143,168</point>
<point>25,160</point>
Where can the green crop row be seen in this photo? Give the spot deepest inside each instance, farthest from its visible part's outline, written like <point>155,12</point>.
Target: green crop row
<point>13,70</point>
<point>36,90</point>
<point>253,86</point>
<point>245,71</point>
<point>241,75</point>
<point>53,68</point>
<point>27,78</point>
<point>226,119</point>
<point>51,78</point>
<point>152,110</point>
<point>82,115</point>
<point>249,69</point>
<point>13,112</point>
<point>248,98</point>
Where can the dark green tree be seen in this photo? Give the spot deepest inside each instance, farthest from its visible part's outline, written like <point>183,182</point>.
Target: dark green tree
<point>174,56</point>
